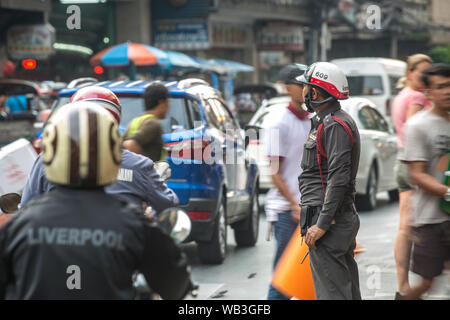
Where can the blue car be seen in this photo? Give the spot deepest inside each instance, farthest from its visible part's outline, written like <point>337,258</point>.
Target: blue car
<point>214,181</point>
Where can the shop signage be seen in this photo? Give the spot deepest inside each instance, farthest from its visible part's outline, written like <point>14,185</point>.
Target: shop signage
<point>229,35</point>
<point>281,36</point>
<point>181,36</point>
<point>30,41</point>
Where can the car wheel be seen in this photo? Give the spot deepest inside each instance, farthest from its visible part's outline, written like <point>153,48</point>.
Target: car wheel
<point>214,251</point>
<point>393,195</point>
<point>246,231</point>
<point>368,201</point>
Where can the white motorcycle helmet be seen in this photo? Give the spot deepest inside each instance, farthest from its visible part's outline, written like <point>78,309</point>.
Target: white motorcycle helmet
<point>328,77</point>
<point>81,146</point>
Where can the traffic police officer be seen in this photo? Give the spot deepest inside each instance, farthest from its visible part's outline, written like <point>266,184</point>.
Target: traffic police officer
<point>76,241</point>
<point>327,184</point>
<point>138,182</point>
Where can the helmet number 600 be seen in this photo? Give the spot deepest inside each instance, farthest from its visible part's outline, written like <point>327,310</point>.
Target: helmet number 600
<point>321,75</point>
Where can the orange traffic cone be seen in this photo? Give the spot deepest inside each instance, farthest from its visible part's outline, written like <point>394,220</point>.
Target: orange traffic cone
<point>359,249</point>
<point>291,277</point>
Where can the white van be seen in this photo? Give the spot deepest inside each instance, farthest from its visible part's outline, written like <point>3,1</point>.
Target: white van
<point>374,79</point>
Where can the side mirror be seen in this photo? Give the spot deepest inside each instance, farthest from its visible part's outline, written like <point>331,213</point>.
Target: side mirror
<point>163,169</point>
<point>9,202</point>
<point>176,223</point>
<point>251,131</point>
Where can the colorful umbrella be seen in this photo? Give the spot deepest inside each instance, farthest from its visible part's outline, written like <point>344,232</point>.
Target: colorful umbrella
<point>208,65</point>
<point>178,59</point>
<point>232,66</point>
<point>222,66</point>
<point>130,53</point>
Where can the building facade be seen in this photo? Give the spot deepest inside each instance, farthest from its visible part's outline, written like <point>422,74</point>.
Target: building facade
<point>265,34</point>
<point>404,27</point>
<point>21,20</point>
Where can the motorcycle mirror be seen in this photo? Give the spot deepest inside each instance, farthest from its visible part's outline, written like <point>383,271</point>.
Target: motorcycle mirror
<point>163,169</point>
<point>176,223</point>
<point>9,202</point>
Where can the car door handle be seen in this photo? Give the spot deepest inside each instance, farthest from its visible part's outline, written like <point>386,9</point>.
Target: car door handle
<point>376,139</point>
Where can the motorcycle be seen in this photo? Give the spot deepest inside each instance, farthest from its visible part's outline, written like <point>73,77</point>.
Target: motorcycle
<point>177,224</point>
<point>174,221</point>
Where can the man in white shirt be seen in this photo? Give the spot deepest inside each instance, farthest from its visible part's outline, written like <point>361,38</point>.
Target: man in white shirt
<point>285,132</point>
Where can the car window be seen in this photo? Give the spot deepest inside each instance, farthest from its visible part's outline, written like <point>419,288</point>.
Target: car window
<point>393,80</point>
<point>225,118</point>
<point>365,85</point>
<point>366,119</point>
<point>195,113</point>
<point>229,116</point>
<point>379,120</point>
<point>213,114</point>
<point>177,117</point>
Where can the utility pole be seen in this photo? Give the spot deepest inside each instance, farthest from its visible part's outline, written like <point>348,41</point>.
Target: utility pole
<point>324,31</point>
<point>394,45</point>
<point>314,46</point>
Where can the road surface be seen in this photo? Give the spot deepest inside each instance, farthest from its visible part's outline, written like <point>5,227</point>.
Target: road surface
<point>246,272</point>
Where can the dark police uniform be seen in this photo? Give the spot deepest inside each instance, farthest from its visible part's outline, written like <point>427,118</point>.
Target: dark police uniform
<point>102,237</point>
<point>334,270</point>
<point>137,182</point>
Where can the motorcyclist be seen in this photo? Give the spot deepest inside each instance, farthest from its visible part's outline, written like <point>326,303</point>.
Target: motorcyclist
<point>76,241</point>
<point>138,182</point>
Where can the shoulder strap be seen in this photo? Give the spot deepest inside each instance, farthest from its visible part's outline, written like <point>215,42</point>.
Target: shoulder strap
<point>320,150</point>
<point>136,123</point>
<point>319,136</point>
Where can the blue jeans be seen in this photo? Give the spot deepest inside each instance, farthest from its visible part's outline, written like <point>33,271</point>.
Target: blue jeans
<point>283,230</point>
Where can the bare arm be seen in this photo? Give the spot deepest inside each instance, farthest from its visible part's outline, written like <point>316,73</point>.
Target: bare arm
<point>133,146</point>
<point>424,181</point>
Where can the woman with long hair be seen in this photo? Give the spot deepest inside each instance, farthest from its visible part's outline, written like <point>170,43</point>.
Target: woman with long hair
<point>408,102</point>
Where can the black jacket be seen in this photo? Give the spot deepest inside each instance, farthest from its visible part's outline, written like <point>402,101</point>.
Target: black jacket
<point>339,168</point>
<point>85,244</point>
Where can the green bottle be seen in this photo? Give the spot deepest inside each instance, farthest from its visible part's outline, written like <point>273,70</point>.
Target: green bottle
<point>445,205</point>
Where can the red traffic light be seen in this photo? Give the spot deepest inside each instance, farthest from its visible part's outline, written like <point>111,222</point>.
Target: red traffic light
<point>98,69</point>
<point>29,64</point>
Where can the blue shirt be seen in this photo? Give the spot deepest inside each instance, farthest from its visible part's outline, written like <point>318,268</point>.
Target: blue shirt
<point>16,104</point>
<point>137,182</point>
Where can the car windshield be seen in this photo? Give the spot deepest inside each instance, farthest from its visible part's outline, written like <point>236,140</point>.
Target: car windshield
<point>177,118</point>
<point>365,85</point>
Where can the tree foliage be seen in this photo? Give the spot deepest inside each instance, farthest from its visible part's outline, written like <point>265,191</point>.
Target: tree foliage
<point>440,54</point>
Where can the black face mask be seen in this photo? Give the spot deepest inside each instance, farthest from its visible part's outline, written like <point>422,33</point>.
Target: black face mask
<point>312,105</point>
